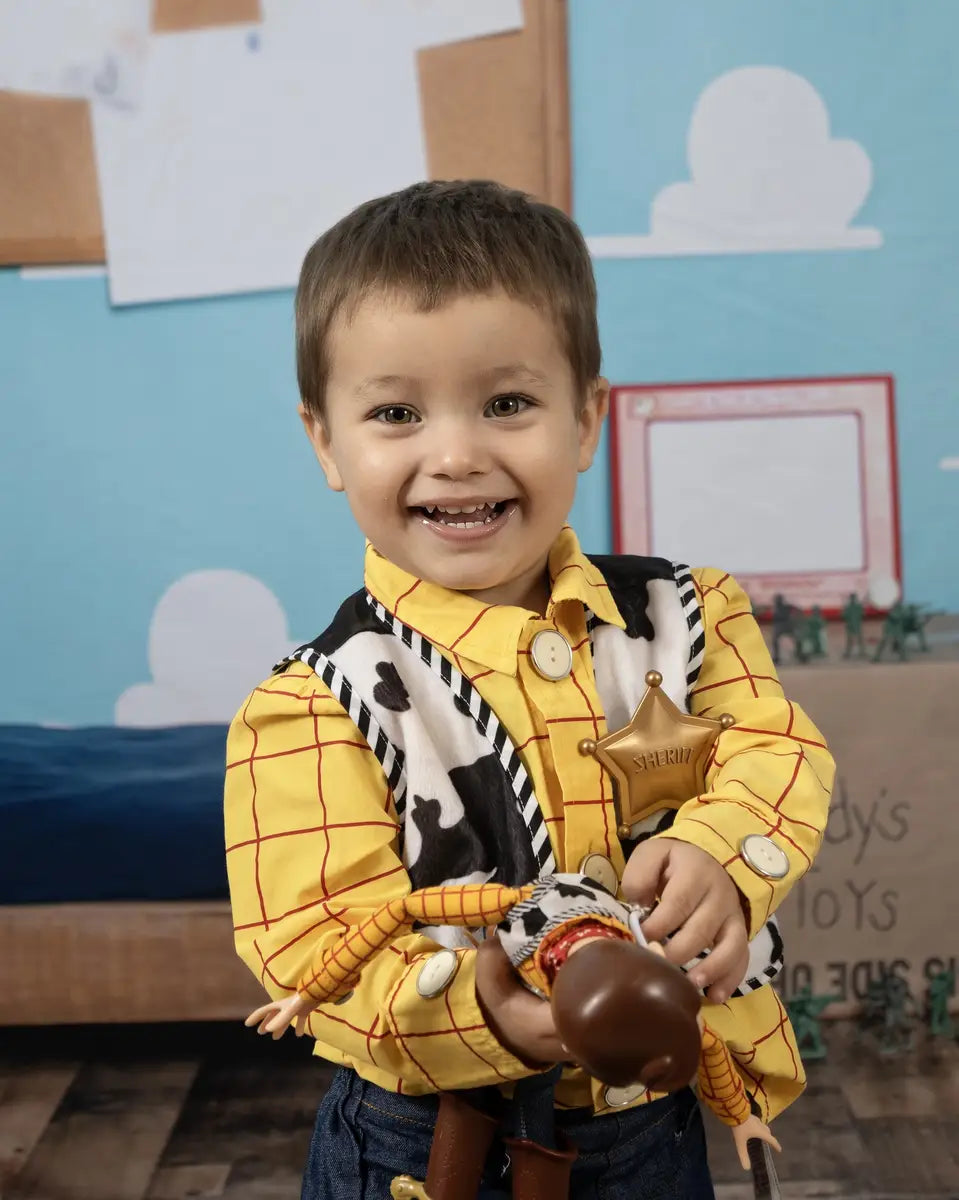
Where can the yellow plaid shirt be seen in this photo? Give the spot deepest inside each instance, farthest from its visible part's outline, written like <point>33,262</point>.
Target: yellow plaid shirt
<point>313,841</point>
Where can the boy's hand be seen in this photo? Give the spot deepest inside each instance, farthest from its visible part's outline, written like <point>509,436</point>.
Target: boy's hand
<point>699,909</point>
<point>519,1021</point>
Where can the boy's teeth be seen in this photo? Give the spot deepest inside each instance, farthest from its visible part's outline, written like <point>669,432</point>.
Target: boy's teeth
<point>484,514</point>
<point>450,511</point>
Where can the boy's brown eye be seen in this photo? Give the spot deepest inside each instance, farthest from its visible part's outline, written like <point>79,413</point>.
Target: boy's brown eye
<point>395,414</point>
<point>507,406</point>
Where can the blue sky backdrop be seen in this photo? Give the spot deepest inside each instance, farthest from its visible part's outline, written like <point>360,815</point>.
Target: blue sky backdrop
<point>143,444</point>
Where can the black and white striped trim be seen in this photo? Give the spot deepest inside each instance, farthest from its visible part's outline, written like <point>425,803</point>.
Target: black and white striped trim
<point>694,622</point>
<point>776,960</point>
<point>773,967</point>
<point>489,726</point>
<point>391,758</point>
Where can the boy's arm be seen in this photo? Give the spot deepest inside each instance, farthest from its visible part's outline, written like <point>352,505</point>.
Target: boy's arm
<point>312,839</point>
<point>771,773</point>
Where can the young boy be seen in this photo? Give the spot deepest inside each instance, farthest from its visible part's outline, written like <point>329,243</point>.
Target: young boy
<point>448,362</point>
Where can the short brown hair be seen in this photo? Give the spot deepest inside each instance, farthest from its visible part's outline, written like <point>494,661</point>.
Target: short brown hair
<point>435,241</point>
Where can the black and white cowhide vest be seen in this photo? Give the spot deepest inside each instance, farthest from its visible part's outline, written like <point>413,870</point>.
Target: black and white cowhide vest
<point>463,798</point>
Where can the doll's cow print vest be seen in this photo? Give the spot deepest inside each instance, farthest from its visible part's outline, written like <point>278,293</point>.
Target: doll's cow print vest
<point>464,800</point>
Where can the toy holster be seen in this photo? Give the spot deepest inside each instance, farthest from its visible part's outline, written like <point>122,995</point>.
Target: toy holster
<point>465,1128</point>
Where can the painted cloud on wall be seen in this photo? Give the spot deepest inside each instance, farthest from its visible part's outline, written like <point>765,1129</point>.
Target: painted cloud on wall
<point>765,175</point>
<point>213,636</point>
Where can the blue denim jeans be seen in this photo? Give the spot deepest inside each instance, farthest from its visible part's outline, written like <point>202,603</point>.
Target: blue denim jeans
<point>364,1136</point>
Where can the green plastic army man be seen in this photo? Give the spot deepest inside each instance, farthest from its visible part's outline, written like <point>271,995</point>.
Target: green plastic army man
<point>894,629</point>
<point>852,618</point>
<point>914,622</point>
<point>814,631</point>
<point>941,987</point>
<point>805,1011</point>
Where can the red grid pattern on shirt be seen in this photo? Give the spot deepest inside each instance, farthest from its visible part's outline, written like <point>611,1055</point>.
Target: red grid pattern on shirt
<point>294,918</point>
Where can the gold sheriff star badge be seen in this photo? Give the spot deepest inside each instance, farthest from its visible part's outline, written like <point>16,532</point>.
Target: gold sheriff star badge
<point>659,759</point>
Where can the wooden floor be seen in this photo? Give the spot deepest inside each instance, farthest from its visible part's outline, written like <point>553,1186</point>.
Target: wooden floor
<point>173,1112</point>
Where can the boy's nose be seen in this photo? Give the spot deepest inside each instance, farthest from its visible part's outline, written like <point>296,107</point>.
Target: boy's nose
<point>457,453</point>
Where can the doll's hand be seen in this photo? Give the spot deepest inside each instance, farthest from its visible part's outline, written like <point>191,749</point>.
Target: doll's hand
<point>699,909</point>
<point>519,1021</point>
<point>277,1016</point>
<point>752,1127</point>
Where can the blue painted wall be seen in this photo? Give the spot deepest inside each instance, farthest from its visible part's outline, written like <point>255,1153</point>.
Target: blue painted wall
<point>141,444</point>
<point>145,443</point>
<point>887,75</point>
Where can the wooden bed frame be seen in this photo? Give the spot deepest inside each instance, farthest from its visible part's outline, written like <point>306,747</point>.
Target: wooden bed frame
<point>67,964</point>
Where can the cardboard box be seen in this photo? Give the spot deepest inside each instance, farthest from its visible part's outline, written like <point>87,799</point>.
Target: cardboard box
<point>883,895</point>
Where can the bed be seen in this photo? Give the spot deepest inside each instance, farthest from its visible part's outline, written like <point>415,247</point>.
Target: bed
<point>113,894</point>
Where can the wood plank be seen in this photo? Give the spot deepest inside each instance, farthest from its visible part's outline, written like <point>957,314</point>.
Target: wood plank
<point>255,1109</point>
<point>125,962</point>
<point>260,1118</point>
<point>106,1138</point>
<point>819,1136</point>
<point>790,1191</point>
<point>917,1157</point>
<point>190,1180</point>
<point>283,1186</point>
<point>29,1096</point>
<point>808,1189</point>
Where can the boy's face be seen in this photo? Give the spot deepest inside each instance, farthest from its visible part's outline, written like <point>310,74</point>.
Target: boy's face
<point>470,407</point>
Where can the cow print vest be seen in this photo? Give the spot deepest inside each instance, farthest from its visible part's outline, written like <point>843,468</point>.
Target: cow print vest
<point>463,799</point>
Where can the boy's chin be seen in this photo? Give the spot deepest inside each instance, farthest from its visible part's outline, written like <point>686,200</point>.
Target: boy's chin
<point>467,581</point>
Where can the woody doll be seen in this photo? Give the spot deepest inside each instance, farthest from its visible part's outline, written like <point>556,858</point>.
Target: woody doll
<point>625,1014</point>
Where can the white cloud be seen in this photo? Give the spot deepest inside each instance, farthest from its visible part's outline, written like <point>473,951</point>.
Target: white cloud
<point>765,175</point>
<point>213,636</point>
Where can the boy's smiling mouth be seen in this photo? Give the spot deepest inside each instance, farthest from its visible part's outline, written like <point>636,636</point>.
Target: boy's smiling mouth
<point>466,517</point>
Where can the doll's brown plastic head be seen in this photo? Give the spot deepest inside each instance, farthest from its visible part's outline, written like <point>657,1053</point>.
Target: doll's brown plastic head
<point>628,1016</point>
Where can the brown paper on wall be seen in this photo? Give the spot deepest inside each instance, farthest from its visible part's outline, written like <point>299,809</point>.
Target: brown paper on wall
<point>175,16</point>
<point>885,886</point>
<point>492,107</point>
<point>49,200</point>
<point>497,107</point>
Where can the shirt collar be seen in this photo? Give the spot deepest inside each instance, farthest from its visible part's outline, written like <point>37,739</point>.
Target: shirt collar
<point>487,634</point>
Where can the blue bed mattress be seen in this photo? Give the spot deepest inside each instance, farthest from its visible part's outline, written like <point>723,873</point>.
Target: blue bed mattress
<point>111,814</point>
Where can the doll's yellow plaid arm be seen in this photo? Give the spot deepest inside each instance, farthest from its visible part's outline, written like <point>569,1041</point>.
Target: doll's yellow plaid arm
<point>720,1084</point>
<point>336,968</point>
<point>311,847</point>
<point>771,773</point>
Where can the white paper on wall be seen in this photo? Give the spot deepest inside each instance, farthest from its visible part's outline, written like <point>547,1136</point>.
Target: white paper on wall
<point>252,141</point>
<point>93,49</point>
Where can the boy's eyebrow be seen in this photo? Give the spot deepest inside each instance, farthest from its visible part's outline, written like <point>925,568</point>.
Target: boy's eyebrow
<point>381,382</point>
<point>515,371</point>
<point>490,378</point>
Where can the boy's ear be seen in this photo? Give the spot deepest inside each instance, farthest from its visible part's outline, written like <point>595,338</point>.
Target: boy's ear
<point>319,437</point>
<point>591,419</point>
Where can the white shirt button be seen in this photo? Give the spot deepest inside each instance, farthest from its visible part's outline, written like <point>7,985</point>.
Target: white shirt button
<point>436,974</point>
<point>599,869</point>
<point>619,1097</point>
<point>764,856</point>
<point>551,654</point>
